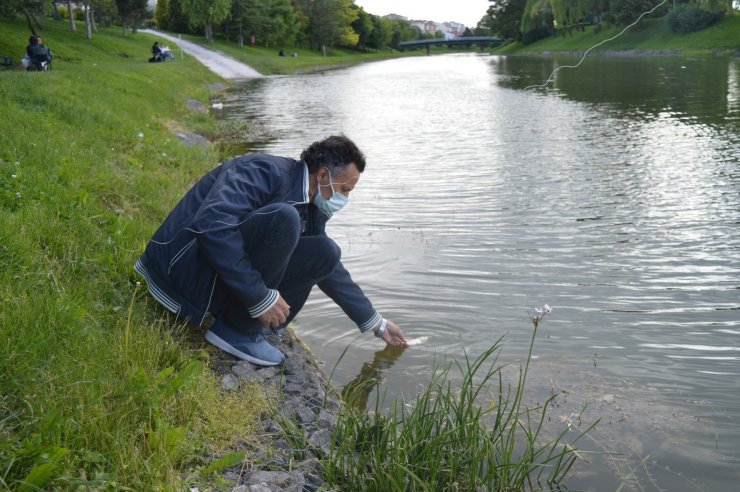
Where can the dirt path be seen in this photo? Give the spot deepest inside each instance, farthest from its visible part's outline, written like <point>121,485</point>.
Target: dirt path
<point>218,63</point>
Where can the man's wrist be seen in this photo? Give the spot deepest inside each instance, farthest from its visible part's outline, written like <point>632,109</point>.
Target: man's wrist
<point>381,328</point>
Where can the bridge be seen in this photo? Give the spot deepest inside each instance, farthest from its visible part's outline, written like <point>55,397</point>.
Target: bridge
<point>481,41</point>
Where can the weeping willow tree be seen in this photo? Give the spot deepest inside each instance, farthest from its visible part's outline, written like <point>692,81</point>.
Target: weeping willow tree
<point>537,20</point>
<point>567,13</point>
<point>719,6</point>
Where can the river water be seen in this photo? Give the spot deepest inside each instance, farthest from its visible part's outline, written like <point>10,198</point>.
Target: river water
<point>613,196</point>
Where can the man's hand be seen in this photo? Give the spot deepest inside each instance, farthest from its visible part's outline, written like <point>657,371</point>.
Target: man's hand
<point>277,314</point>
<point>393,335</point>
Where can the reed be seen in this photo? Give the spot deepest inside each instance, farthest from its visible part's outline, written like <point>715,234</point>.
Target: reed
<point>467,430</point>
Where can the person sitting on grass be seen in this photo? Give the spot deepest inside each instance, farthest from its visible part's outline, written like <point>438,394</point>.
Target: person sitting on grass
<point>39,54</point>
<point>247,243</point>
<point>26,60</point>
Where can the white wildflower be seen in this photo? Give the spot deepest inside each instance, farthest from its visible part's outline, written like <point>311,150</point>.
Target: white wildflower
<point>17,195</point>
<point>141,134</point>
<point>14,176</point>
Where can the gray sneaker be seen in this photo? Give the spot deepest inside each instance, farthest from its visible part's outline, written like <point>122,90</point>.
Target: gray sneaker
<point>252,348</point>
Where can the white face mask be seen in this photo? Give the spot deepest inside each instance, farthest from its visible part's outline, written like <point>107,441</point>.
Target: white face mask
<point>335,203</point>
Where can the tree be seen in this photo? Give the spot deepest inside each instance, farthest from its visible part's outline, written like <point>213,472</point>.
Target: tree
<point>402,31</point>
<point>330,22</point>
<point>130,12</point>
<point>537,20</point>
<point>206,13</point>
<point>382,33</point>
<point>29,8</point>
<point>169,15</point>
<point>363,26</point>
<point>504,18</point>
<point>273,22</point>
<point>625,12</point>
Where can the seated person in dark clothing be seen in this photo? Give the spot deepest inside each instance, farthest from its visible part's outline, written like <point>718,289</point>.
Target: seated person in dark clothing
<point>26,61</point>
<point>156,53</point>
<point>40,56</point>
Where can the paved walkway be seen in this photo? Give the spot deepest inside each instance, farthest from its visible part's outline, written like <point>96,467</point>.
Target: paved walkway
<point>218,63</point>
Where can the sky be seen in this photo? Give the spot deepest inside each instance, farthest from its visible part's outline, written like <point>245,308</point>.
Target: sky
<point>468,12</point>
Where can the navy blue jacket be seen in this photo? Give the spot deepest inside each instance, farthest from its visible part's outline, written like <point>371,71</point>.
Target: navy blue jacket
<point>200,241</point>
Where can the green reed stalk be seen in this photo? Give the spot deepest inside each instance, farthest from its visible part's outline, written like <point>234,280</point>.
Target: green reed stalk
<point>448,439</point>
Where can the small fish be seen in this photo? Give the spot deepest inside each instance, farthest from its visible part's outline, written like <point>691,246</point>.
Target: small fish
<point>417,341</point>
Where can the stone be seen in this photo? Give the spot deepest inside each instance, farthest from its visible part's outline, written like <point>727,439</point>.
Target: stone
<point>293,389</point>
<point>321,442</point>
<point>293,365</point>
<point>305,416</point>
<point>244,370</point>
<point>258,487</point>
<point>286,481</point>
<point>196,105</point>
<point>313,481</point>
<point>230,382</point>
<point>327,420</point>
<point>192,139</point>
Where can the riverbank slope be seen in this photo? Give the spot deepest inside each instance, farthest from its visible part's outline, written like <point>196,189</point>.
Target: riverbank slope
<point>100,388</point>
<point>651,37</point>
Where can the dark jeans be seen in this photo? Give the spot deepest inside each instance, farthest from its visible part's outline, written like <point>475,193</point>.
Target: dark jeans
<point>288,262</point>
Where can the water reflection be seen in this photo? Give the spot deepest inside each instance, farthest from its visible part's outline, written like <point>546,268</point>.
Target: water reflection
<point>358,390</point>
<point>702,90</point>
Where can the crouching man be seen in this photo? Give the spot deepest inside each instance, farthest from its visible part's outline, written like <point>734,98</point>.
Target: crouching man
<point>247,243</point>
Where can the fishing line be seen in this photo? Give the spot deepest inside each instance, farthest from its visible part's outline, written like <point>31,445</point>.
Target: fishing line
<point>549,79</point>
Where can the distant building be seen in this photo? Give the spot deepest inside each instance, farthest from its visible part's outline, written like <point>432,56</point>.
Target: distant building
<point>451,29</point>
<point>426,27</point>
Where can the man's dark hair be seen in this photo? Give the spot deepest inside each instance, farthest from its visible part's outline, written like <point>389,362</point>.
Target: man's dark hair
<point>333,152</point>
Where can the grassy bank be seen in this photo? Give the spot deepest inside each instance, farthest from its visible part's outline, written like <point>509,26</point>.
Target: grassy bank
<point>98,387</point>
<point>652,36</point>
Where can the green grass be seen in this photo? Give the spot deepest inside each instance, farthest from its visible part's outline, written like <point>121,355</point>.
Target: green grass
<point>651,36</point>
<point>97,386</point>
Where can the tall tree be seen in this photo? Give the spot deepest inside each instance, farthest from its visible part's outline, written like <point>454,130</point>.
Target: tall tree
<point>206,13</point>
<point>504,18</point>
<point>169,15</point>
<point>130,12</point>
<point>71,13</point>
<point>402,30</point>
<point>363,26</point>
<point>330,22</point>
<point>271,22</point>
<point>29,8</point>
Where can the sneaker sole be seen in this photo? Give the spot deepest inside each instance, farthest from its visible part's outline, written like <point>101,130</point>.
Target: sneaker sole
<point>219,342</point>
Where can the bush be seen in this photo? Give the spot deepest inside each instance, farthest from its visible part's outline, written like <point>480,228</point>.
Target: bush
<point>690,18</point>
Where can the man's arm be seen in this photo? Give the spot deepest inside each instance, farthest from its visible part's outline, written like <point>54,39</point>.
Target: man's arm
<point>340,287</point>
